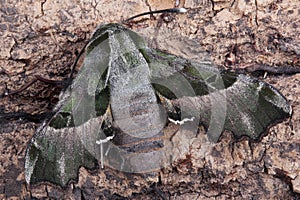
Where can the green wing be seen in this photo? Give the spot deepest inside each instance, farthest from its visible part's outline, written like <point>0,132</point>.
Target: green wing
<point>219,99</point>
<point>67,141</point>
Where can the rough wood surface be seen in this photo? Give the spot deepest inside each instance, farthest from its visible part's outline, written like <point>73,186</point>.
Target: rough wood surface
<point>42,37</point>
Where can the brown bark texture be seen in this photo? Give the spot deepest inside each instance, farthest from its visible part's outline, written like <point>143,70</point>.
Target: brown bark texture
<point>43,37</point>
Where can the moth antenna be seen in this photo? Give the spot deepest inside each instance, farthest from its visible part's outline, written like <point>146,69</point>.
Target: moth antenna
<point>76,60</point>
<point>36,78</point>
<point>170,10</point>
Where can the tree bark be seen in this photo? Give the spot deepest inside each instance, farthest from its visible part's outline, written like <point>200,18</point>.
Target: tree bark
<point>43,38</point>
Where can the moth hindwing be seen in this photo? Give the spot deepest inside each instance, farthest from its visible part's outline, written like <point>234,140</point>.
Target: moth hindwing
<point>117,107</point>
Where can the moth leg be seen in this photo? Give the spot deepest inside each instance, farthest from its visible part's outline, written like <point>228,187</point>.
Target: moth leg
<point>107,139</point>
<point>107,150</point>
<point>181,122</point>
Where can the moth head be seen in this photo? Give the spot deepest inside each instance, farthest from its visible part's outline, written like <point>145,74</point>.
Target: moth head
<point>104,31</point>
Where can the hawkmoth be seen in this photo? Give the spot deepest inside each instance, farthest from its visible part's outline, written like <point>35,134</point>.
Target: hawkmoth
<point>117,107</point>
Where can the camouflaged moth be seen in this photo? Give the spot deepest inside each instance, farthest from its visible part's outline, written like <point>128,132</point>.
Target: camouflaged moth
<point>116,108</point>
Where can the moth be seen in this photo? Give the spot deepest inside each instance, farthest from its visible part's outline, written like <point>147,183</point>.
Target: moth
<point>126,93</point>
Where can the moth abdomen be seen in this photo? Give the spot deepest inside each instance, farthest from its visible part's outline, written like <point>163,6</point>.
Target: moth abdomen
<point>138,145</point>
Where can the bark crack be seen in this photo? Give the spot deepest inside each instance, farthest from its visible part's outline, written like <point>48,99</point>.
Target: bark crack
<point>42,7</point>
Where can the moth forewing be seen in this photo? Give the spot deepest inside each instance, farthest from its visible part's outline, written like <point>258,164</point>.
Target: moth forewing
<point>67,140</point>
